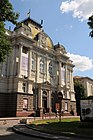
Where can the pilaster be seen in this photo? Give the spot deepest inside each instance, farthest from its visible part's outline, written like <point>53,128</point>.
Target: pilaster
<point>40,98</point>
<point>20,60</point>
<point>66,75</point>
<point>49,100</point>
<point>29,64</point>
<point>60,74</point>
<point>37,67</point>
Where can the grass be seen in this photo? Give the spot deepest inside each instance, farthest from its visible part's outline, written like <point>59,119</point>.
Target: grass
<point>66,126</point>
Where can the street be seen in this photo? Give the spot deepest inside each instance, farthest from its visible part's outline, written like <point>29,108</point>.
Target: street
<point>6,132</point>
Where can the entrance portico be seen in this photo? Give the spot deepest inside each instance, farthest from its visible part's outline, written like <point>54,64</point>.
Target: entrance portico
<point>44,98</point>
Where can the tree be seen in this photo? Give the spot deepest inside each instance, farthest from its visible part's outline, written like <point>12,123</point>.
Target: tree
<point>79,94</point>
<point>90,23</point>
<point>6,14</point>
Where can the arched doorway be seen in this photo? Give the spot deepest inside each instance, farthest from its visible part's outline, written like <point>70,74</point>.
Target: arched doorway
<point>44,100</point>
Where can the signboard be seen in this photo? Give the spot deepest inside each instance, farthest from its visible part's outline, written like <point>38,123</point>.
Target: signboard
<point>86,109</point>
<point>24,65</point>
<point>63,75</point>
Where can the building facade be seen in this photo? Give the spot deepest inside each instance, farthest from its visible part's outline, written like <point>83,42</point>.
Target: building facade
<point>87,83</point>
<point>34,73</point>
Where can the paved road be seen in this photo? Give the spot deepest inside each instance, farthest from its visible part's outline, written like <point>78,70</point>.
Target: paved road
<point>6,132</point>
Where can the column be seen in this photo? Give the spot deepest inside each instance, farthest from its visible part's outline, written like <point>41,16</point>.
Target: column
<point>37,68</point>
<point>66,75</point>
<point>72,83</point>
<point>66,92</point>
<point>29,64</point>
<point>60,73</point>
<point>47,69</point>
<point>49,101</point>
<point>20,60</point>
<point>40,98</point>
<point>40,102</point>
<point>12,62</point>
<point>72,87</point>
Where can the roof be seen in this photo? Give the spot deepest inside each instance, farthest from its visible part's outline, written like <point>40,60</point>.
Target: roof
<point>82,78</point>
<point>32,22</point>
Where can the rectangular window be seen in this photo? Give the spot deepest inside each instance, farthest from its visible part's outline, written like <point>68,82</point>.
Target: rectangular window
<point>68,76</point>
<point>25,104</point>
<point>16,68</point>
<point>66,106</point>
<point>25,50</point>
<point>24,87</point>
<point>33,61</point>
<point>33,64</point>
<point>42,67</point>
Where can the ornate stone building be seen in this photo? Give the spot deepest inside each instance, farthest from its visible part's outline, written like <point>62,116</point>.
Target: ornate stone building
<point>34,73</point>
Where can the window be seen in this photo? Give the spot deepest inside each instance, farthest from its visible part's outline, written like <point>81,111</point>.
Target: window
<point>50,69</point>
<point>66,106</point>
<point>24,87</point>
<point>33,61</point>
<point>68,76</point>
<point>25,104</point>
<point>16,68</point>
<point>42,65</point>
<point>25,50</point>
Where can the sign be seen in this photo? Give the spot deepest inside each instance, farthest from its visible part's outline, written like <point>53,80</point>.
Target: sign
<point>63,74</point>
<point>86,109</point>
<point>24,64</point>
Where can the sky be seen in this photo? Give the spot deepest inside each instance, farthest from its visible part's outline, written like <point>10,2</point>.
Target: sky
<point>65,21</point>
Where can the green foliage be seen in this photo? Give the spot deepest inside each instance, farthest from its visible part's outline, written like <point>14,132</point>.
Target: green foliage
<point>79,90</point>
<point>90,23</point>
<point>79,94</point>
<point>5,45</point>
<point>6,14</point>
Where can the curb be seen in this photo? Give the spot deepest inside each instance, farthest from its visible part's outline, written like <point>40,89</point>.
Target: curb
<point>41,135</point>
<point>63,134</point>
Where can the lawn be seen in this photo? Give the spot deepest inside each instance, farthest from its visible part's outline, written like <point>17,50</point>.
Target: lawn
<point>71,126</point>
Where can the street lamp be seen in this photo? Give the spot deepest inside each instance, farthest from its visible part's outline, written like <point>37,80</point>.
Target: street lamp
<point>60,97</point>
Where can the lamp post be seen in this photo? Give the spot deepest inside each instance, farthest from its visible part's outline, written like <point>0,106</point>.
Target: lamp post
<point>60,97</point>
